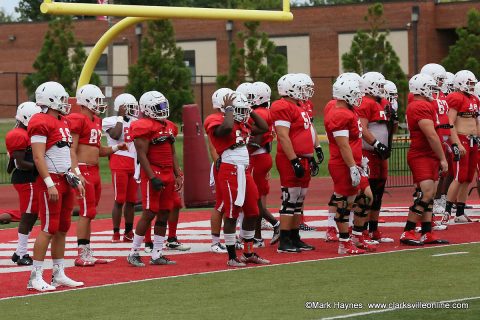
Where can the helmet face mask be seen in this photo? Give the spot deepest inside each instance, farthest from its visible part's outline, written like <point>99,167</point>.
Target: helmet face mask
<point>391,93</point>
<point>347,90</point>
<point>91,97</point>
<point>241,108</point>
<point>132,110</point>
<point>127,101</point>
<point>307,86</point>
<point>465,81</point>
<point>52,95</point>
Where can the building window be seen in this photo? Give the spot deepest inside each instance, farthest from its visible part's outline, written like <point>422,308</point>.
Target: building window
<point>102,68</point>
<point>282,50</point>
<point>189,60</point>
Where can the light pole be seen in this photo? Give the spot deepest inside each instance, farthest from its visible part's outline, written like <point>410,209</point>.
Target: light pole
<point>414,18</point>
<point>138,33</point>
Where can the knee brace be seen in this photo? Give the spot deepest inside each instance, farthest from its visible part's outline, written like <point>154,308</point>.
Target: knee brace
<point>342,215</point>
<point>429,209</point>
<point>333,200</point>
<point>361,206</point>
<point>300,200</point>
<point>419,203</point>
<point>290,197</point>
<point>336,199</point>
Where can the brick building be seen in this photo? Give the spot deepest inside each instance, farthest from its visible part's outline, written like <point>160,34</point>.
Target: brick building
<point>313,43</point>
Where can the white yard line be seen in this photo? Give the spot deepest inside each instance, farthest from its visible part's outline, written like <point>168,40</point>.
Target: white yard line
<point>449,254</point>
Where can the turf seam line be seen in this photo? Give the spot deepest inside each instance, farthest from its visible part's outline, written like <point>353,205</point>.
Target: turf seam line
<point>230,270</point>
<point>365,313</point>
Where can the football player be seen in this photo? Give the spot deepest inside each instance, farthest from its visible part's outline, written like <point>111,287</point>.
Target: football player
<point>463,112</point>
<point>86,130</point>
<point>448,83</point>
<point>154,137</point>
<point>50,137</point>
<point>217,213</point>
<point>425,157</point>
<point>374,115</point>
<point>24,174</point>
<point>259,148</point>
<point>229,135</point>
<point>295,150</point>
<point>122,164</point>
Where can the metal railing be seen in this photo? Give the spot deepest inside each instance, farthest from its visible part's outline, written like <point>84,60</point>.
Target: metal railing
<point>399,174</point>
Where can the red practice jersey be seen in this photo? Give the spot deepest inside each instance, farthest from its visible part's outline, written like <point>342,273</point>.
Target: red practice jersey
<point>239,135</point>
<point>308,107</point>
<point>88,130</point>
<point>330,104</point>
<point>419,110</point>
<point>440,104</point>
<point>264,113</point>
<point>54,129</point>
<point>17,140</point>
<point>161,135</point>
<point>343,122</point>
<point>371,110</point>
<point>466,105</point>
<point>288,114</point>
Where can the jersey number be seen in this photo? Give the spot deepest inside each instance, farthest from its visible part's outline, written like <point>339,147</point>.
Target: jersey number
<point>442,106</point>
<point>126,135</point>
<point>239,138</point>
<point>66,136</point>
<point>95,136</point>
<point>306,120</point>
<point>360,128</point>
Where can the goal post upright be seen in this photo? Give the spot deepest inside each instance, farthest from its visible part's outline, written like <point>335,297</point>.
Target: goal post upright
<point>134,14</point>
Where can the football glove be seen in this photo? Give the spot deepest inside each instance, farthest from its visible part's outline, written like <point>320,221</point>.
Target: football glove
<point>320,155</point>
<point>314,169</point>
<point>355,176</point>
<point>298,168</point>
<point>157,184</point>
<point>72,179</point>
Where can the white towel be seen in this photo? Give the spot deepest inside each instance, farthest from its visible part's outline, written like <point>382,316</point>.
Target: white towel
<point>241,185</point>
<point>136,175</point>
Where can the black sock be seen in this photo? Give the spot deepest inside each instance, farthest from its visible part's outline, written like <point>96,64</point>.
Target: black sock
<point>295,234</point>
<point>83,242</point>
<point>365,226</point>
<point>115,230</point>
<point>357,228</point>
<point>372,226</point>
<point>409,226</point>
<point>231,252</point>
<point>284,234</point>
<point>128,227</point>
<point>460,209</point>
<point>426,227</point>
<point>448,207</point>
<point>216,234</point>
<point>246,242</point>
<point>345,235</point>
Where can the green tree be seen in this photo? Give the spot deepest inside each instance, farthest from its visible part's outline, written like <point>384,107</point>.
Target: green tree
<point>465,53</point>
<point>61,58</point>
<point>5,17</point>
<point>326,2</point>
<point>29,10</point>
<point>161,67</point>
<point>256,60</point>
<point>371,51</point>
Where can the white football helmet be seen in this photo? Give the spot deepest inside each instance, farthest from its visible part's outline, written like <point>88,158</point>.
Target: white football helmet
<point>350,75</point>
<point>391,92</point>
<point>92,97</point>
<point>436,71</point>
<point>290,85</point>
<point>218,96</point>
<point>465,81</point>
<point>131,104</point>
<point>477,90</point>
<point>348,90</point>
<point>424,85</point>
<point>373,83</point>
<point>241,106</point>
<point>247,89</point>
<point>52,95</point>
<point>308,87</point>
<point>262,93</point>
<point>25,112</point>
<point>154,105</point>
<point>448,83</point>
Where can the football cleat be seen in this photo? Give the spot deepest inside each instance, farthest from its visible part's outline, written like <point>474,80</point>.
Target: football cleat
<point>378,236</point>
<point>347,247</point>
<point>409,238</point>
<point>83,259</point>
<point>116,237</point>
<point>302,245</point>
<point>148,247</point>
<point>59,278</point>
<point>162,260</point>
<point>174,244</point>
<point>254,258</point>
<point>331,234</point>
<point>128,237</point>
<point>360,242</point>
<point>438,206</point>
<point>462,219</point>
<point>135,260</point>
<point>91,258</point>
<point>218,248</point>
<point>236,263</point>
<point>36,282</point>
<point>368,239</point>
<point>446,218</point>
<point>438,226</point>
<point>258,243</point>
<point>238,244</point>
<point>266,225</point>
<point>286,246</point>
<point>430,238</point>
<point>276,235</point>
<point>305,227</point>
<point>25,260</point>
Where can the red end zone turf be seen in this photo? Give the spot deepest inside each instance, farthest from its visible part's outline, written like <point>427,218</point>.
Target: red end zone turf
<point>194,229</point>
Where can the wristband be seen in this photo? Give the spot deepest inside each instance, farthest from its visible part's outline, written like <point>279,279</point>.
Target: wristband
<point>49,182</point>
<point>77,171</point>
<point>119,119</point>
<point>115,148</point>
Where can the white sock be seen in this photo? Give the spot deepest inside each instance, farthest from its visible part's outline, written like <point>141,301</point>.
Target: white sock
<point>350,220</point>
<point>137,243</point>
<point>58,262</point>
<point>157,246</point>
<point>22,246</point>
<point>215,239</point>
<point>331,219</point>
<point>37,267</point>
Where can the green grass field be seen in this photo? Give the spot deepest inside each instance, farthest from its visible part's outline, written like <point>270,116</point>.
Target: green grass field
<point>280,292</point>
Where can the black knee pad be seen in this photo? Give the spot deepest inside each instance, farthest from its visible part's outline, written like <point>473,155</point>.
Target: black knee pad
<point>419,203</point>
<point>361,206</point>
<point>333,201</point>
<point>344,215</point>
